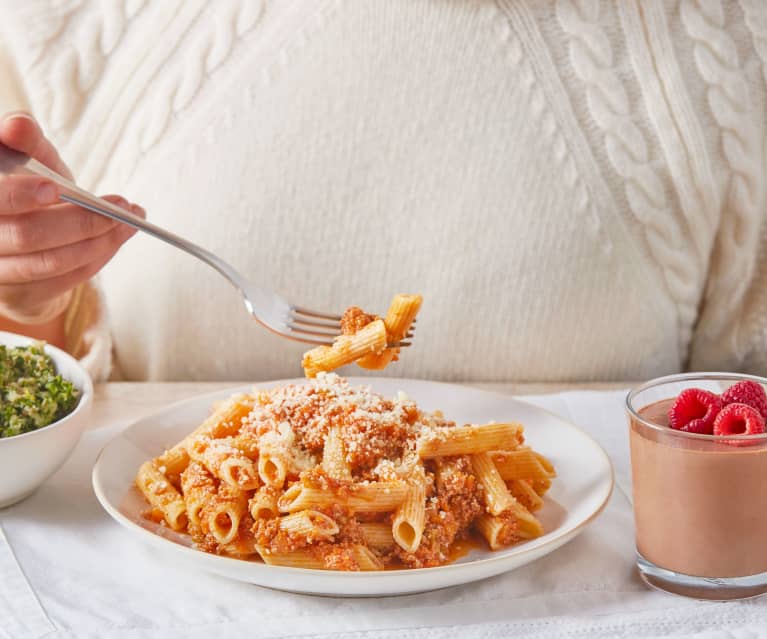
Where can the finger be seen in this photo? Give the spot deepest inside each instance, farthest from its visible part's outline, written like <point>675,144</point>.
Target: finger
<point>22,193</point>
<point>21,131</point>
<point>35,297</point>
<point>43,265</point>
<point>53,226</point>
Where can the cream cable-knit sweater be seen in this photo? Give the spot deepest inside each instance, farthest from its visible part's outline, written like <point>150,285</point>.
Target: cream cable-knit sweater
<point>576,187</point>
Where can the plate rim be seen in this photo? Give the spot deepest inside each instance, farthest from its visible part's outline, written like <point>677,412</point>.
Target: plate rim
<point>556,541</point>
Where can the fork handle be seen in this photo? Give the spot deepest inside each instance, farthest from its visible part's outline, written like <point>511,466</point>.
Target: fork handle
<point>15,163</point>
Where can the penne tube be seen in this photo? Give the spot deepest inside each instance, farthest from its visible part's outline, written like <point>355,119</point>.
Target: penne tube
<point>225,462</point>
<point>378,535</point>
<point>541,486</point>
<point>546,463</point>
<point>301,558</point>
<point>198,487</point>
<point>162,495</point>
<point>522,463</point>
<point>497,531</point>
<point>371,497</point>
<point>362,556</point>
<point>225,420</point>
<point>309,524</point>
<point>399,318</point>
<point>410,516</point>
<point>243,546</point>
<point>523,492</point>
<point>263,504</point>
<point>346,349</point>
<point>272,469</point>
<point>245,443</point>
<point>225,514</point>
<point>334,457</point>
<point>528,526</point>
<point>468,440</point>
<point>366,559</point>
<point>496,494</point>
<point>239,472</point>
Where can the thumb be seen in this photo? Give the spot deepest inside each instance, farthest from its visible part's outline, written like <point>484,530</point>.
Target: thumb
<point>21,131</point>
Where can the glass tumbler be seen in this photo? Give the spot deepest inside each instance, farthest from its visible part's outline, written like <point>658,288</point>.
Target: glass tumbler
<point>700,501</point>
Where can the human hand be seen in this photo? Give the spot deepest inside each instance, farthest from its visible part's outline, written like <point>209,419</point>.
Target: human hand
<point>47,248</point>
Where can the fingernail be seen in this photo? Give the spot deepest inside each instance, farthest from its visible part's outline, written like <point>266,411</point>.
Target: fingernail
<point>138,210</point>
<point>18,116</point>
<point>46,193</point>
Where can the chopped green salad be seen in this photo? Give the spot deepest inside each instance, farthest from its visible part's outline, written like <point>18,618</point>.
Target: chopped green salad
<point>32,394</point>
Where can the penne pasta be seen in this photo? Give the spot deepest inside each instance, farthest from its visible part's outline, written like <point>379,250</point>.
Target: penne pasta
<point>225,513</point>
<point>378,535</point>
<point>225,420</point>
<point>162,495</point>
<point>399,318</point>
<point>522,463</point>
<point>245,443</point>
<point>239,472</point>
<point>541,486</point>
<point>309,524</point>
<point>263,503</point>
<point>523,492</point>
<point>225,462</point>
<point>497,531</point>
<point>410,516</point>
<point>371,497</point>
<point>272,469</point>
<point>328,476</point>
<point>468,440</point>
<point>528,527</point>
<point>243,545</point>
<point>496,494</point>
<point>301,558</point>
<point>546,463</point>
<point>199,488</point>
<point>334,457</point>
<point>366,559</point>
<point>372,339</point>
<point>360,556</point>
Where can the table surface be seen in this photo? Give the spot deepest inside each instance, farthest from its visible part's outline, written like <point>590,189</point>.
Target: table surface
<point>59,546</point>
<point>128,401</point>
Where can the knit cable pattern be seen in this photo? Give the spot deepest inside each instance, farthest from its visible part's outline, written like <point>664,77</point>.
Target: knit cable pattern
<point>591,57</point>
<point>755,13</point>
<point>504,17</point>
<point>93,31</point>
<point>742,138</point>
<point>212,46</point>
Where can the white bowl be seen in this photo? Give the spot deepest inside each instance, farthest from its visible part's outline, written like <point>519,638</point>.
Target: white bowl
<point>27,460</point>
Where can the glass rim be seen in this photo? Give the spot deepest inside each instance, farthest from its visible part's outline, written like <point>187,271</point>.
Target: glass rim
<point>682,377</point>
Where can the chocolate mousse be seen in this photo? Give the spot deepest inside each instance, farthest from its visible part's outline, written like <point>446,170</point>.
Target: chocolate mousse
<point>700,505</point>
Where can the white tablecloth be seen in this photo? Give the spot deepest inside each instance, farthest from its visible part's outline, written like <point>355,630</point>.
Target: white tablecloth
<point>68,571</point>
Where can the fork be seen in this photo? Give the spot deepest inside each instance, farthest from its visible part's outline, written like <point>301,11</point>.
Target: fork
<point>271,310</point>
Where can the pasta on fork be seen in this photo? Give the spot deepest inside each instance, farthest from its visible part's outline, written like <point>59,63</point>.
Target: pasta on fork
<point>364,338</point>
<point>325,475</point>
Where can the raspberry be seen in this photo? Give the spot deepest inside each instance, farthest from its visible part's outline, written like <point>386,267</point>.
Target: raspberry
<point>694,411</point>
<point>749,393</point>
<point>738,419</point>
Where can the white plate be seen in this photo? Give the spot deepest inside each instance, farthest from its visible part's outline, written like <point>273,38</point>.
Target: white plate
<point>578,494</point>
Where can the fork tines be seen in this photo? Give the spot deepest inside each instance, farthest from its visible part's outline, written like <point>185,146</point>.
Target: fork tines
<point>314,324</point>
